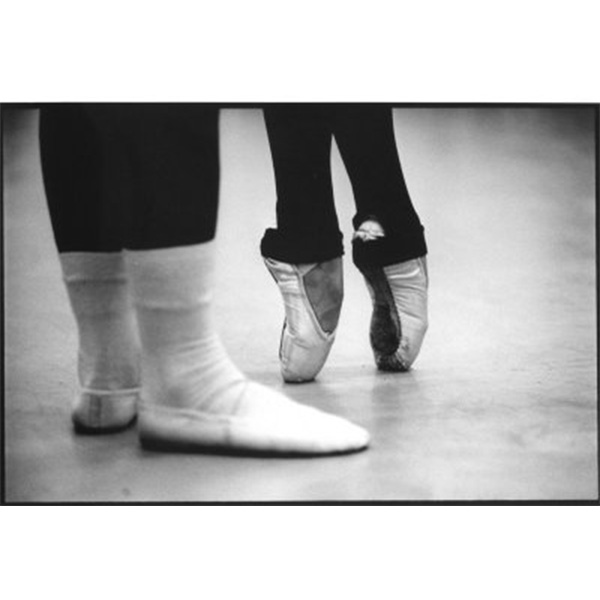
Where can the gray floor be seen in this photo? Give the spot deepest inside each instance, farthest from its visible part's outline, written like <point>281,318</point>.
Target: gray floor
<point>502,403</point>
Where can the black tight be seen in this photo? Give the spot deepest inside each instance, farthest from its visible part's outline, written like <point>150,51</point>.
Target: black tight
<point>307,227</point>
<point>136,176</point>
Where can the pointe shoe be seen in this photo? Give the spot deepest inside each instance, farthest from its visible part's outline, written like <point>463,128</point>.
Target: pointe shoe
<point>399,320</point>
<point>312,295</point>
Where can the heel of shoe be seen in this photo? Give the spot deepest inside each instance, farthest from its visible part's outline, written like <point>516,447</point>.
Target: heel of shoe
<point>103,412</point>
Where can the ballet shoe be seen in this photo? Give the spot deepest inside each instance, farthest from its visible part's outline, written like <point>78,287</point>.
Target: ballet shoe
<point>312,296</point>
<point>194,398</point>
<point>266,423</point>
<point>109,354</point>
<point>98,412</point>
<point>399,319</point>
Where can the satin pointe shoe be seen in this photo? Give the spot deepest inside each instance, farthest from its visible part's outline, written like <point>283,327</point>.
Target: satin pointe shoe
<point>312,296</point>
<point>399,320</point>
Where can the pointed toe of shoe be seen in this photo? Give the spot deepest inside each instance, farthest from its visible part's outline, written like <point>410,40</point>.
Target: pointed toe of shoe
<point>303,355</point>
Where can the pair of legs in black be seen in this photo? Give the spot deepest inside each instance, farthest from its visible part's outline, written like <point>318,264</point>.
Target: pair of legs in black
<point>304,252</point>
<point>133,194</point>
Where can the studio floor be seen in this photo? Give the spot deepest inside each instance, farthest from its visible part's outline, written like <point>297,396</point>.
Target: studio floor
<point>502,402</point>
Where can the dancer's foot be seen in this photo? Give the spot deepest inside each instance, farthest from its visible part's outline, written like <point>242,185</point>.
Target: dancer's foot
<point>195,399</point>
<point>399,294</point>
<point>109,354</point>
<point>312,296</point>
<point>250,418</point>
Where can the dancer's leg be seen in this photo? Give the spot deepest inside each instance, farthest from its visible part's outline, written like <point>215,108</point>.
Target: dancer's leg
<point>193,395</point>
<point>365,137</point>
<point>307,225</point>
<point>303,253</point>
<point>389,245</point>
<point>86,218</point>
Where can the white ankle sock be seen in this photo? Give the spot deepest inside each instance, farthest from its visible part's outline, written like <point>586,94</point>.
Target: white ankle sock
<point>108,358</point>
<point>193,394</point>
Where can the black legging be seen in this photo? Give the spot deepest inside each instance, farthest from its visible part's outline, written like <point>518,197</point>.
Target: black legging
<point>136,176</point>
<point>300,137</point>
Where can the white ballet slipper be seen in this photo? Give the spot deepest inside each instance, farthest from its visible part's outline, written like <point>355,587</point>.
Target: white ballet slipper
<point>194,397</point>
<point>265,423</point>
<point>308,331</point>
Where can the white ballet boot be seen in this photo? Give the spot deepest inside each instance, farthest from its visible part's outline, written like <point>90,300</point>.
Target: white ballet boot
<point>399,295</point>
<point>109,356</point>
<point>194,398</point>
<point>312,296</point>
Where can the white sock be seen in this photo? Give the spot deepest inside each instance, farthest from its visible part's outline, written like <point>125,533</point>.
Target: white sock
<point>109,356</point>
<point>193,394</point>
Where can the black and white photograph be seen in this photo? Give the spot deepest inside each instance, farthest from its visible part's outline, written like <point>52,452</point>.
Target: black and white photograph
<point>300,302</point>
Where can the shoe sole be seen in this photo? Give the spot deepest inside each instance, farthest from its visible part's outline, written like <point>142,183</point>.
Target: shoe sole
<point>100,412</point>
<point>83,429</point>
<point>386,329</point>
<point>150,444</point>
